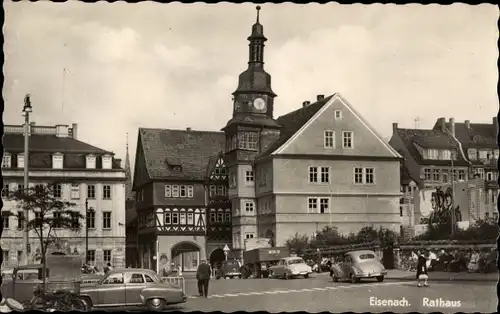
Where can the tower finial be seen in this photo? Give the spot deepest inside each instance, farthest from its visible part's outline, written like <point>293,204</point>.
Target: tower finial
<point>126,142</point>
<point>258,9</point>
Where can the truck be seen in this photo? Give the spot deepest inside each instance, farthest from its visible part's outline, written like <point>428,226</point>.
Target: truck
<point>258,261</point>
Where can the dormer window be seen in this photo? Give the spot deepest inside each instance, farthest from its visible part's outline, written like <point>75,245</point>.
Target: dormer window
<point>106,162</point>
<point>20,161</point>
<point>6,160</point>
<point>433,154</point>
<point>176,168</point>
<point>90,162</point>
<point>57,161</point>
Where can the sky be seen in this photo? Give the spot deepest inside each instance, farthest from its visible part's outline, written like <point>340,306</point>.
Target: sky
<point>115,67</point>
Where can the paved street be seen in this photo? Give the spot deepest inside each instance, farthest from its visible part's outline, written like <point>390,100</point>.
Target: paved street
<point>321,294</point>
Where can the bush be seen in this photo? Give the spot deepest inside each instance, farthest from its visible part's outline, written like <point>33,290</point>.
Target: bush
<point>481,230</point>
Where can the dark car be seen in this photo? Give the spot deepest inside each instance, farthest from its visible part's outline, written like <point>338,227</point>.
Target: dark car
<point>229,269</point>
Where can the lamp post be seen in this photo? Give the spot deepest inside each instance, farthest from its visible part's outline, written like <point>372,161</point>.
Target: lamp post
<point>453,217</point>
<point>88,210</point>
<point>27,109</point>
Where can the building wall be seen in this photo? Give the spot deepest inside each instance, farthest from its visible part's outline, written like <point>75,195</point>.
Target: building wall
<point>99,239</point>
<point>198,198</point>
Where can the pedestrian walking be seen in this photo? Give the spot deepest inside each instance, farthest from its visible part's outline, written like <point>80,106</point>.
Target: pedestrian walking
<point>421,269</point>
<point>203,277</point>
<point>108,268</point>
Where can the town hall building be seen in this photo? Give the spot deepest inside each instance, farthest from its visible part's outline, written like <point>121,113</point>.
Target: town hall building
<point>261,177</point>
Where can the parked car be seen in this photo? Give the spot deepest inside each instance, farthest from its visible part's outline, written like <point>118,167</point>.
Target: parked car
<point>290,267</point>
<point>359,265</point>
<point>132,287</point>
<point>228,269</point>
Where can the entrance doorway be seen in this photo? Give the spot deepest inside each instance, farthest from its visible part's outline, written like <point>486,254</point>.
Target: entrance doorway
<point>216,257</point>
<point>186,255</point>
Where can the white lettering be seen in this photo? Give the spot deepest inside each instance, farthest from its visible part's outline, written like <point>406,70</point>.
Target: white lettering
<point>374,301</point>
<point>440,302</point>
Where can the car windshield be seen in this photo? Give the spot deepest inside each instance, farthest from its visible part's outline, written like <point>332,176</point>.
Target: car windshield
<point>232,263</point>
<point>366,256</point>
<point>296,261</point>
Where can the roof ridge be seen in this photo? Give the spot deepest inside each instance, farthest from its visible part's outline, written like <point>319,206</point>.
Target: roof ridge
<point>181,130</point>
<point>324,100</point>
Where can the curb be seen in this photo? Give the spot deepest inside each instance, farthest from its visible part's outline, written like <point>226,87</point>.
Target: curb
<point>413,278</point>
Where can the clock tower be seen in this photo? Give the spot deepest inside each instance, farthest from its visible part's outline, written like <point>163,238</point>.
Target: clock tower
<point>249,132</point>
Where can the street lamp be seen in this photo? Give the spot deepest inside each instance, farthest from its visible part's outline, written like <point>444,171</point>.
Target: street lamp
<point>27,109</point>
<point>88,210</point>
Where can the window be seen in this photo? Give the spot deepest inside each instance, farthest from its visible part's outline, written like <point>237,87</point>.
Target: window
<point>6,220</point>
<point>175,191</point>
<point>190,191</point>
<point>190,219</point>
<point>248,140</point>
<point>220,217</point>
<point>57,216</point>
<point>75,191</point>
<point>168,219</point>
<point>74,220</point>
<point>91,191</point>
<point>182,191</point>
<point>213,190</point>
<point>446,154</point>
<point>5,259</point>
<point>312,205</point>
<point>495,154</point>
<point>20,187</point>
<point>483,154</point>
<point>57,161</point>
<point>495,216</point>
<point>227,217</point>
<point>20,161</point>
<point>347,139</point>
<point>249,207</point>
<point>213,217</point>
<point>106,192</point>
<point>479,172</point>
<point>427,174</point>
<point>168,190</point>
<point>325,175</point>
<point>461,175</point>
<point>329,139</point>
<point>338,114</point>
<point>175,218</point>
<point>136,278</point>
<point>436,175</point>
<point>369,175</point>
<point>91,219</point>
<point>324,205</point>
<point>106,220</point>
<point>90,162</point>
<point>489,176</point>
<point>249,177</point>
<point>182,218</point>
<point>220,190</point>
<point>114,279</point>
<point>433,153</point>
<point>445,177</point>
<point>148,279</point>
<point>249,235</point>
<point>106,162</point>
<point>313,175</point>
<point>6,160</point>
<point>5,190</point>
<point>472,154</point>
<point>358,175</point>
<point>107,256</point>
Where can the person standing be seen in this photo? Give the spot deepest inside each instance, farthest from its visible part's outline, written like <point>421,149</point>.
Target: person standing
<point>203,277</point>
<point>421,269</point>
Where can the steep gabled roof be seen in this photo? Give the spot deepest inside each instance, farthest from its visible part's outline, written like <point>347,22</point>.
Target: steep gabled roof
<point>476,135</point>
<point>191,150</point>
<point>14,143</point>
<point>293,121</point>
<point>212,162</point>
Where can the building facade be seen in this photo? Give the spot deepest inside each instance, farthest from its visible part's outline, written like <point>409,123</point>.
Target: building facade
<point>320,165</point>
<point>86,173</point>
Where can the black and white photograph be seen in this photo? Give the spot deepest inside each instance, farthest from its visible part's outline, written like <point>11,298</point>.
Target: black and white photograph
<point>249,157</point>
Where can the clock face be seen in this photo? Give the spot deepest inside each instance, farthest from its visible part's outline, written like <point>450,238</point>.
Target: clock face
<point>259,104</point>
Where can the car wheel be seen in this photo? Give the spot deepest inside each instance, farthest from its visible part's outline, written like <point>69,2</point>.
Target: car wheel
<point>306,276</point>
<point>88,303</point>
<point>156,304</point>
<point>380,278</point>
<point>335,279</point>
<point>354,279</point>
<point>287,276</point>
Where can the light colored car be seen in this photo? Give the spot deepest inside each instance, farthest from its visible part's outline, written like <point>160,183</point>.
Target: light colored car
<point>359,265</point>
<point>132,287</point>
<point>290,267</point>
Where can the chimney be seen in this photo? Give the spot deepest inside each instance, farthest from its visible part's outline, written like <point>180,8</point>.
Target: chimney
<point>305,104</point>
<point>394,126</point>
<point>188,129</point>
<point>320,97</point>
<point>61,130</point>
<point>467,124</point>
<point>452,126</point>
<point>74,131</point>
<point>442,124</point>
<point>495,124</point>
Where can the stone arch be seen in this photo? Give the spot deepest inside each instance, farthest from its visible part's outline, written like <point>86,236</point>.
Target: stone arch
<point>216,256</point>
<point>186,254</point>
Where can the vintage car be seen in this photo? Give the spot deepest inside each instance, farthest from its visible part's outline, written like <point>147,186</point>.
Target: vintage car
<point>24,279</point>
<point>290,267</point>
<point>359,265</point>
<point>132,287</point>
<point>228,269</point>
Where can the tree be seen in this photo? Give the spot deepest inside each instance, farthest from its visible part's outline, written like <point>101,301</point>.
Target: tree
<point>298,242</point>
<point>367,235</point>
<point>388,238</point>
<point>330,236</point>
<point>46,212</point>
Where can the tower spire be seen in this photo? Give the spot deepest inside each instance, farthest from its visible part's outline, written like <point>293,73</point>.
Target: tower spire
<point>258,11</point>
<point>128,174</point>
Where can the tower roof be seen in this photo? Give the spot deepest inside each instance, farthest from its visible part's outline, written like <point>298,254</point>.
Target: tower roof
<point>257,29</point>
